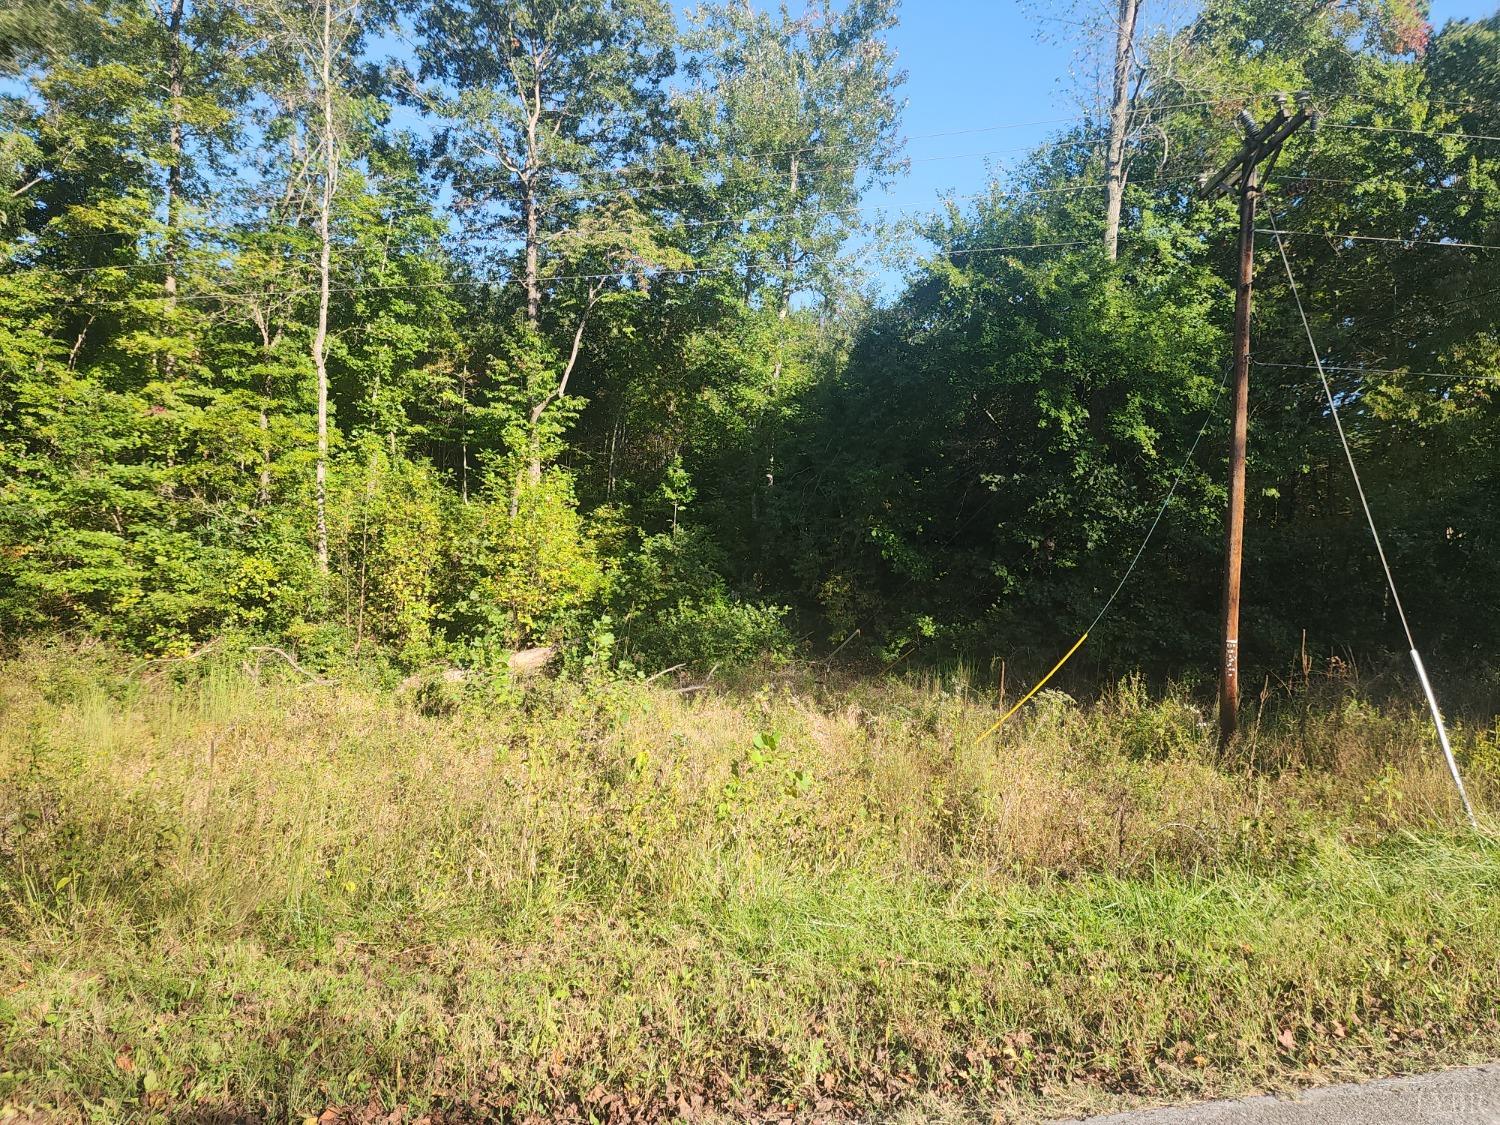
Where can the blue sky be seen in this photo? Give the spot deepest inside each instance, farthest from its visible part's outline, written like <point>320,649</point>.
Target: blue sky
<point>987,81</point>
<point>974,64</point>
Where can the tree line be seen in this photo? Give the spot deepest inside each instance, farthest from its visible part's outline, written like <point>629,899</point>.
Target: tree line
<point>436,331</point>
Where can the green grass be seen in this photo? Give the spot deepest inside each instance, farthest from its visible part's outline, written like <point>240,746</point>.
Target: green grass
<point>225,893</point>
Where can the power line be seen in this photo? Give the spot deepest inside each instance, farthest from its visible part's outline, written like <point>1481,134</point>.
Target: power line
<point>1129,570</point>
<point>468,239</point>
<point>1171,492</point>
<point>823,146</point>
<point>1453,245</point>
<point>760,158</point>
<point>1466,104</point>
<point>774,154</point>
<point>1082,118</point>
<point>621,274</point>
<point>627,189</point>
<point>585,193</point>
<point>1302,177</point>
<point>1382,371</point>
<point>1427,307</point>
<point>1411,132</point>
<point>787,216</point>
<point>792,216</point>
<point>83,270</point>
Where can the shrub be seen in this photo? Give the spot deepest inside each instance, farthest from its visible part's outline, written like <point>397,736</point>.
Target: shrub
<point>674,606</point>
<point>527,577</point>
<point>387,540</point>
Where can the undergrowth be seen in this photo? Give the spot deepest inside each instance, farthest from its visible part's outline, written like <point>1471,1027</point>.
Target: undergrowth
<point>228,895</point>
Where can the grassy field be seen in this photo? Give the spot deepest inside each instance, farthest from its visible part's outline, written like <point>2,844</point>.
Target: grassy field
<point>228,894</point>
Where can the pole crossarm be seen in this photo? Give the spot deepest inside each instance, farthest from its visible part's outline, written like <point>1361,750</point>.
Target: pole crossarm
<point>1260,143</point>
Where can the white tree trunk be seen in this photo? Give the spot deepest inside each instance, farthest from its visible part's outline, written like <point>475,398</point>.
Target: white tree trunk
<point>325,270</point>
<point>1119,126</point>
<point>175,148</point>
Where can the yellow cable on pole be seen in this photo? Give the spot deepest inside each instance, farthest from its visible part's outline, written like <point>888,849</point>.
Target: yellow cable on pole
<point>1025,699</point>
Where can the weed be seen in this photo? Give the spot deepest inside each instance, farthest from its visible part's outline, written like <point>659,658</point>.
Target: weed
<point>604,900</point>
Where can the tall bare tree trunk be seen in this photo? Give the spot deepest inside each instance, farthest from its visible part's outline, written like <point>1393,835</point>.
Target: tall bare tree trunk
<point>172,250</point>
<point>325,270</point>
<point>174,167</point>
<point>1119,126</point>
<point>463,434</point>
<point>263,492</point>
<point>533,266</point>
<point>789,251</point>
<point>788,264</point>
<point>263,489</point>
<point>533,280</point>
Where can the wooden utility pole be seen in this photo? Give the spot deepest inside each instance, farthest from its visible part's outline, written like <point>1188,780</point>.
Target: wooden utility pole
<point>1262,145</point>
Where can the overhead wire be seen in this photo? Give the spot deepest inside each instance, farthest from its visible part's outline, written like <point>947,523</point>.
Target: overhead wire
<point>795,214</point>
<point>822,146</point>
<point>1302,177</point>
<point>580,194</point>
<point>585,193</point>
<point>954,252</point>
<point>442,283</point>
<point>1380,371</point>
<point>746,217</point>
<point>1014,193</point>
<point>837,145</point>
<point>569,195</point>
<point>1348,237</point>
<point>1409,132</point>
<point>1340,235</point>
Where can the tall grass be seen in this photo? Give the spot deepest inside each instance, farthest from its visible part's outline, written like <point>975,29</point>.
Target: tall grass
<point>226,893</point>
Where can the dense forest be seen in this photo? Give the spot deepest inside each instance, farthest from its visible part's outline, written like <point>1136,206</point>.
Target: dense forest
<point>427,332</point>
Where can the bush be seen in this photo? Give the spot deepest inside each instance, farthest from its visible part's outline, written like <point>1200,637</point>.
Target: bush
<point>527,577</point>
<point>387,540</point>
<point>718,629</point>
<point>674,606</point>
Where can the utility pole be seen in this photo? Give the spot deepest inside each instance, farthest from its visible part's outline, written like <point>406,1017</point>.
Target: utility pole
<point>1242,175</point>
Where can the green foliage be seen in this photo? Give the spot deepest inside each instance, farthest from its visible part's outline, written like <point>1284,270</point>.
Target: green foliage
<point>1021,421</point>
<point>388,534</point>
<point>602,396</point>
<point>674,606</point>
<point>817,91</point>
<point>525,576</point>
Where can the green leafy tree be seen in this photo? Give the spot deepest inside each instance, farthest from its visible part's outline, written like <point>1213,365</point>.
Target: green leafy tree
<point>541,104</point>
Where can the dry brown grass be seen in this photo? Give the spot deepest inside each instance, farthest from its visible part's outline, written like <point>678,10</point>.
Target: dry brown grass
<point>589,897</point>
